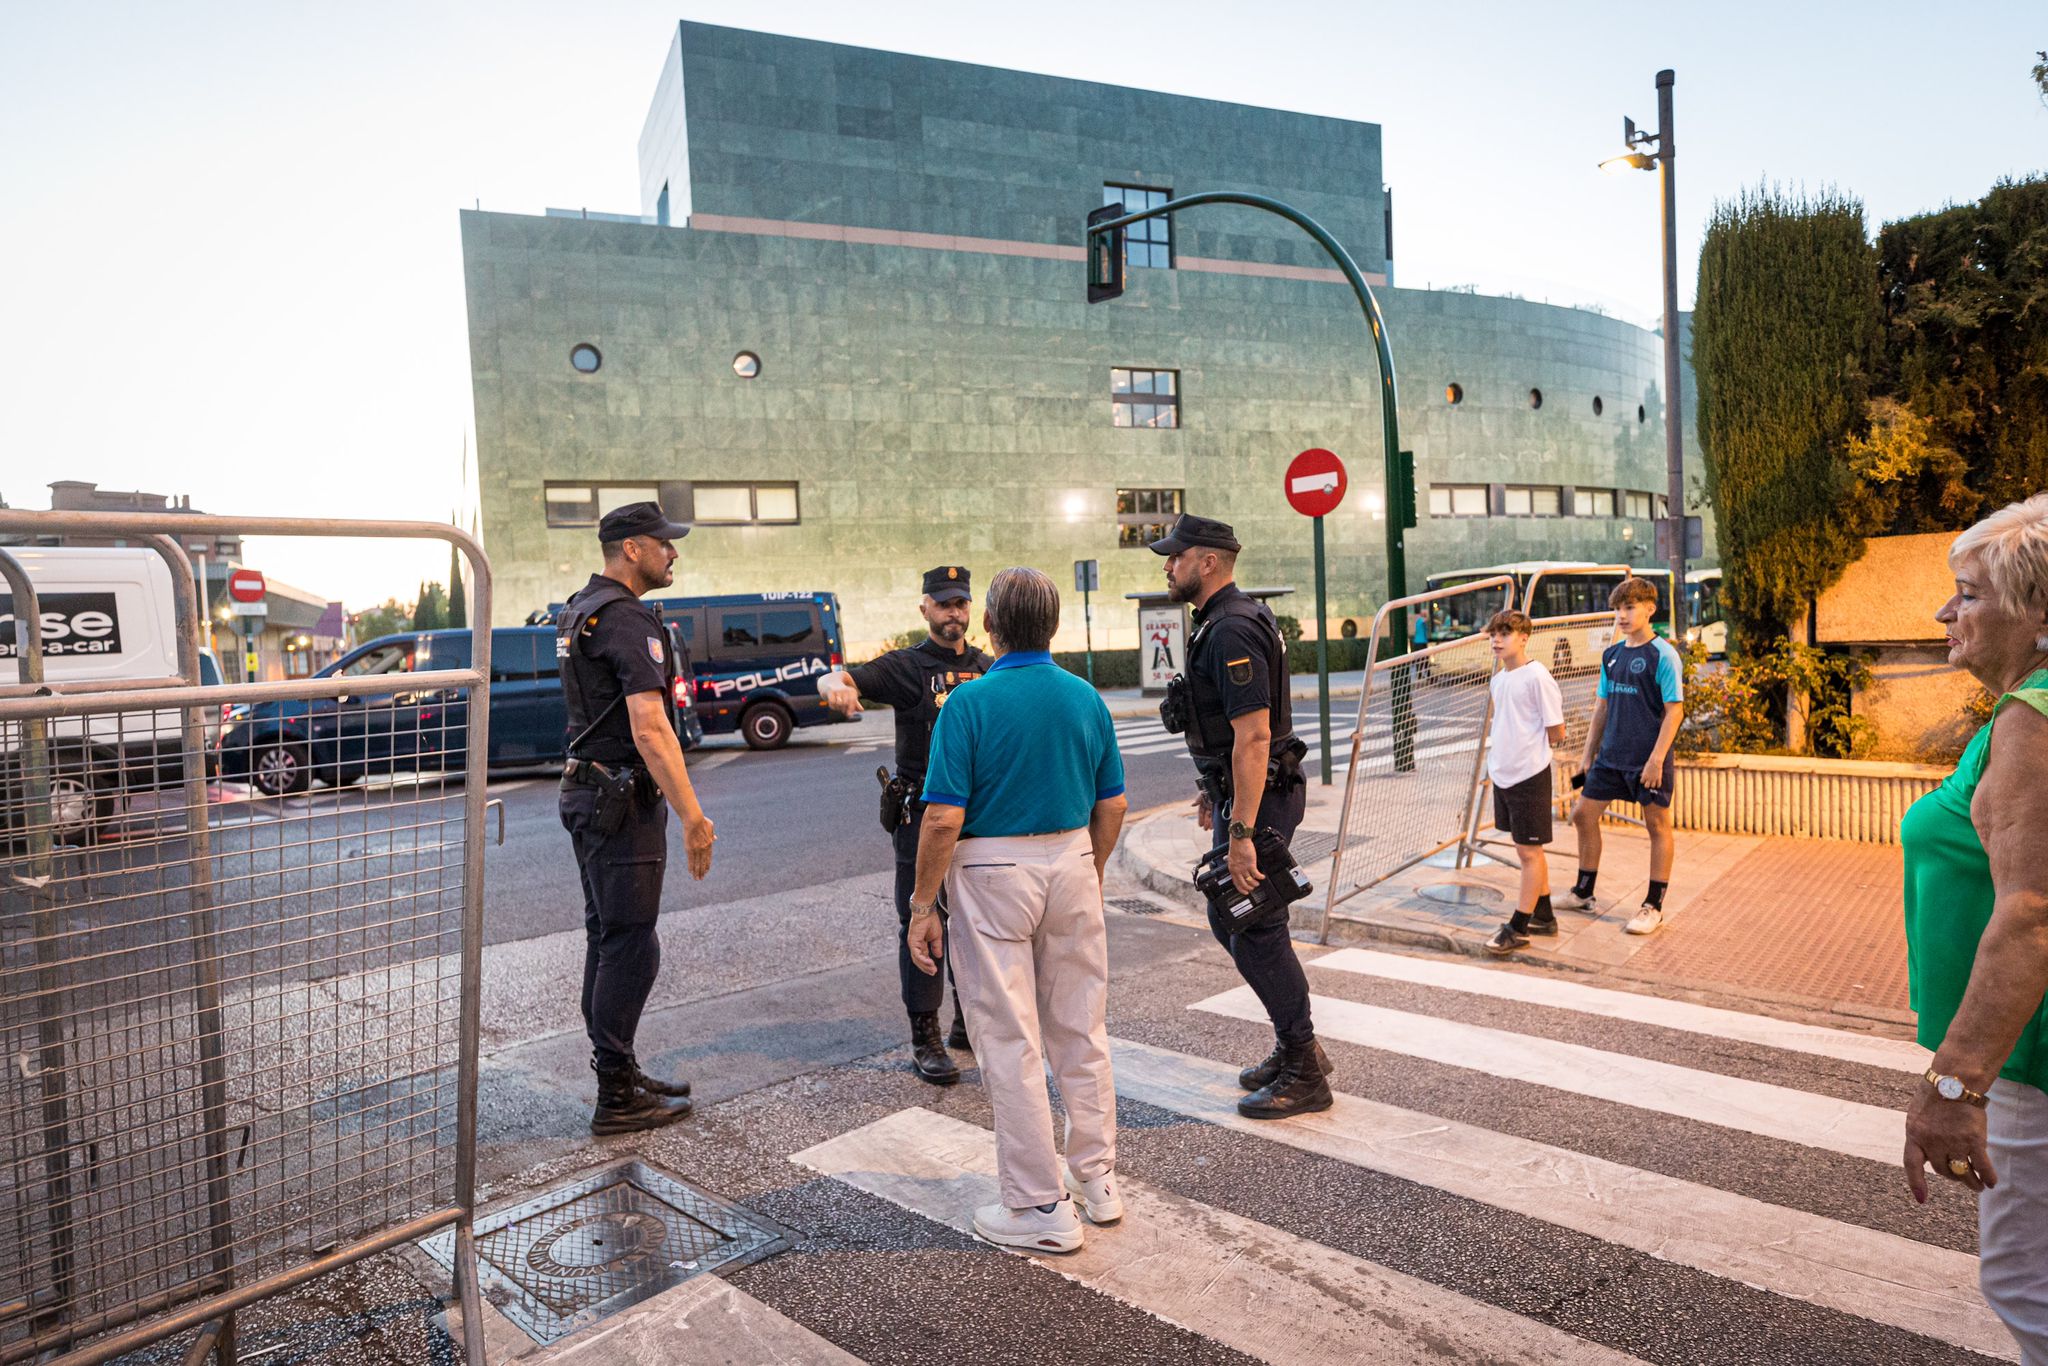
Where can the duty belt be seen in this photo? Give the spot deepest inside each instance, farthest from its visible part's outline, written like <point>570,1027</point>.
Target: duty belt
<point>587,772</point>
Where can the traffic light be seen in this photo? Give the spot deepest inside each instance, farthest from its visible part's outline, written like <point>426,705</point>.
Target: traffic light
<point>1105,256</point>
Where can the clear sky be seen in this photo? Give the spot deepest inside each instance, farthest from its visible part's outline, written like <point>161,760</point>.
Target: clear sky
<point>231,265</point>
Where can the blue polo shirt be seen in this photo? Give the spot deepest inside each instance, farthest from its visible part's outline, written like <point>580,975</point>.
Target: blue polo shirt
<point>1027,749</point>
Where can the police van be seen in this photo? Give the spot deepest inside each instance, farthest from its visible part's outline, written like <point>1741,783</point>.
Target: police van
<point>106,615</point>
<point>757,659</point>
<point>279,748</point>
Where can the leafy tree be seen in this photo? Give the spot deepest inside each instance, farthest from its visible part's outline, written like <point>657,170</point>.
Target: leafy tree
<point>1907,479</point>
<point>389,619</point>
<point>430,612</point>
<point>1784,337</point>
<point>2041,74</point>
<point>1965,296</point>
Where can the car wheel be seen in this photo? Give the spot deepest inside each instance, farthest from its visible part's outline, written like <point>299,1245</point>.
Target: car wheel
<point>79,807</point>
<point>766,726</point>
<point>280,769</point>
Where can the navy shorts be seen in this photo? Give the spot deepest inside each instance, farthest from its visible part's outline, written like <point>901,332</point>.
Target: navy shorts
<point>1605,783</point>
<point>1524,810</point>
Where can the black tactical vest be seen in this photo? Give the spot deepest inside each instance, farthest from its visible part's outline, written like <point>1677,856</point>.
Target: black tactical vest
<point>1209,732</point>
<point>590,690</point>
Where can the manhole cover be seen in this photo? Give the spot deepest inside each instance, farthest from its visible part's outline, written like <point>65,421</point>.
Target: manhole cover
<point>1134,905</point>
<point>566,1259</point>
<point>1458,894</point>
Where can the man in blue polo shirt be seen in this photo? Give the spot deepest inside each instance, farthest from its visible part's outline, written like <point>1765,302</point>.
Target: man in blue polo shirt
<point>1024,796</point>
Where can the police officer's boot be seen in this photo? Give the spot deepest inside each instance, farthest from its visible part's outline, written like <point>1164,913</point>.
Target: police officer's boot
<point>957,1036</point>
<point>928,1052</point>
<point>623,1108</point>
<point>1260,1075</point>
<point>657,1087</point>
<point>1301,1087</point>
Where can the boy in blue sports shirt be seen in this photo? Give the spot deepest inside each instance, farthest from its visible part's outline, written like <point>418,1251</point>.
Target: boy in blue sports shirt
<point>1640,702</point>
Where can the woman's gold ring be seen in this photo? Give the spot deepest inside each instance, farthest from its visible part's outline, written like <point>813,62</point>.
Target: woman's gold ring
<point>1959,1166</point>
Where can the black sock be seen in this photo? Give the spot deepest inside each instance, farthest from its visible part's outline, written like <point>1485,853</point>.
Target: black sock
<point>1656,896</point>
<point>1047,1209</point>
<point>1584,886</point>
<point>1543,910</point>
<point>1519,921</point>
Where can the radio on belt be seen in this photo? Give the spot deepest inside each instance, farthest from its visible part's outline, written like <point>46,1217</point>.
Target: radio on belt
<point>1285,882</point>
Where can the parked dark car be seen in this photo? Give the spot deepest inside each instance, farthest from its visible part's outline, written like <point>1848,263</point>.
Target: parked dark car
<point>757,659</point>
<point>280,747</point>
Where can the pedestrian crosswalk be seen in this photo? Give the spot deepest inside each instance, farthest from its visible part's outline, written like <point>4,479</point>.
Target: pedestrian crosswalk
<point>1828,1272</point>
<point>1141,735</point>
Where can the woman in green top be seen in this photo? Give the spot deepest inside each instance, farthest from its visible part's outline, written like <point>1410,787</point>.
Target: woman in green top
<point>1977,924</point>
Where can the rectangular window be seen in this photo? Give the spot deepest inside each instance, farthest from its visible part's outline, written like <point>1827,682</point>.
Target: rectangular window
<point>745,504</point>
<point>1143,515</point>
<point>1593,503</point>
<point>1663,505</point>
<point>1636,505</point>
<point>788,626</point>
<point>1532,500</point>
<point>1149,243</point>
<point>740,630</point>
<point>574,505</point>
<point>1457,500</point>
<point>1144,398</point>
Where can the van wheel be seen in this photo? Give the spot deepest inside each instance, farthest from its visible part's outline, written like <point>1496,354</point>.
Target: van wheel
<point>280,769</point>
<point>80,806</point>
<point>766,726</point>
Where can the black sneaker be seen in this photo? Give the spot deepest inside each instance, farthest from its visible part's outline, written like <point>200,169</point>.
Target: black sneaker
<point>1547,928</point>
<point>1505,941</point>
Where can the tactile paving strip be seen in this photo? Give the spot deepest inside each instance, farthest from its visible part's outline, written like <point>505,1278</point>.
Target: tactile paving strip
<point>564,1260</point>
<point>1134,905</point>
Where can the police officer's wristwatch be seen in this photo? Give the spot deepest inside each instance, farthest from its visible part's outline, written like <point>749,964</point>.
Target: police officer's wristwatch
<point>1952,1088</point>
<point>1240,831</point>
<point>924,908</point>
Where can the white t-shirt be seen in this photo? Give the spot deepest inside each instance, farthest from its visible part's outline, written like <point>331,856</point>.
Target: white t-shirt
<point>1525,703</point>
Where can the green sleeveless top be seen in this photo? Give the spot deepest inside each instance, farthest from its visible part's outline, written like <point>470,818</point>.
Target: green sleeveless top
<point>1949,898</point>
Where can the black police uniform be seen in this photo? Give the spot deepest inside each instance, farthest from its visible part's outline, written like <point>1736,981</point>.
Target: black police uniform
<point>610,645</point>
<point>1237,665</point>
<point>916,682</point>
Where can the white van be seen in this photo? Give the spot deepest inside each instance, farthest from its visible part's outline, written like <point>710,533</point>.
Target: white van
<point>106,614</point>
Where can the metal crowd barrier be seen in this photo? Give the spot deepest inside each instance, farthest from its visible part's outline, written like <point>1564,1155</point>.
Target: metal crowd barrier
<point>1417,751</point>
<point>238,1033</point>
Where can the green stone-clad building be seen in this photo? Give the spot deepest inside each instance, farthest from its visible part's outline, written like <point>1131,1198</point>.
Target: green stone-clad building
<point>847,337</point>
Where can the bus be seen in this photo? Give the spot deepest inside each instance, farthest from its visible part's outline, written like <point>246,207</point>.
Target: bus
<point>1564,588</point>
<point>1703,621</point>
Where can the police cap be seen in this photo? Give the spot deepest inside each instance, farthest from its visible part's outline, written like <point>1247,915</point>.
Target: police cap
<point>640,519</point>
<point>1189,531</point>
<point>947,583</point>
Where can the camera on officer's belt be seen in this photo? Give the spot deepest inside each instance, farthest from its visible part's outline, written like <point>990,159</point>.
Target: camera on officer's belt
<point>1285,883</point>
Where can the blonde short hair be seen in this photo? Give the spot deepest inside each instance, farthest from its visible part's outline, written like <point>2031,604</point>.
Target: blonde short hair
<point>2012,545</point>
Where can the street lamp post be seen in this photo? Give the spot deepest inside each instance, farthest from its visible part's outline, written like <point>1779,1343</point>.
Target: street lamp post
<point>1104,243</point>
<point>1676,524</point>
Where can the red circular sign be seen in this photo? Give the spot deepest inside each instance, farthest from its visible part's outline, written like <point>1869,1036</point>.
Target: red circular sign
<point>1315,482</point>
<point>246,585</point>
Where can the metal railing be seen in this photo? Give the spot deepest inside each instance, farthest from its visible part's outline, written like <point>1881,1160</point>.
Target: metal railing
<point>240,1032</point>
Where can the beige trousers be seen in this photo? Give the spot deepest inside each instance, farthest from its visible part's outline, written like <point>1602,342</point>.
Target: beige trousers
<point>1031,966</point>
<point>2012,1217</point>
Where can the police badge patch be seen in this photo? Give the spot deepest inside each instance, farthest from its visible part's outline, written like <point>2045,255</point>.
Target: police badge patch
<point>1240,670</point>
<point>654,650</point>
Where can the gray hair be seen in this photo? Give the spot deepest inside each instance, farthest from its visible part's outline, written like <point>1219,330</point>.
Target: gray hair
<point>1023,609</point>
<point>2012,545</point>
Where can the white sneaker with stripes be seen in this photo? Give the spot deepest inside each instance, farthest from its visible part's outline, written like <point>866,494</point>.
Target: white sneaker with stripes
<point>1033,1229</point>
<point>1098,1198</point>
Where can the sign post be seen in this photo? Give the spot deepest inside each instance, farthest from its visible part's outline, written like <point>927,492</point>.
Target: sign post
<point>246,589</point>
<point>1315,486</point>
<point>1087,579</point>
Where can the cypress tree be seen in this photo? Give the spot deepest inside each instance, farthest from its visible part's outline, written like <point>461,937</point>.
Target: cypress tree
<point>1784,334</point>
<point>458,605</point>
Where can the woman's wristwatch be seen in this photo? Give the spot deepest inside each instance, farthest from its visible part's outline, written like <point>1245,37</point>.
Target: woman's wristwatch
<point>1952,1088</point>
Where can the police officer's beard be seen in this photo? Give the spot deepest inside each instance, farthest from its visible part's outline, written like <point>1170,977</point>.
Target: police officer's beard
<point>950,632</point>
<point>1182,590</point>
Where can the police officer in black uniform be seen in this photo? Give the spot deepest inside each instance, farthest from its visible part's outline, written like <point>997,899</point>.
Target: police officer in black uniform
<point>1237,709</point>
<point>916,682</point>
<point>618,679</point>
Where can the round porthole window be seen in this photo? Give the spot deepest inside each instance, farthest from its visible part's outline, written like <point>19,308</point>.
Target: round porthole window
<point>1598,406</point>
<point>1535,398</point>
<point>1454,394</point>
<point>1642,413</point>
<point>585,358</point>
<point>746,365</point>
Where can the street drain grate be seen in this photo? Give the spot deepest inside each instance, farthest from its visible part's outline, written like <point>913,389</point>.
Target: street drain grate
<point>564,1260</point>
<point>1134,905</point>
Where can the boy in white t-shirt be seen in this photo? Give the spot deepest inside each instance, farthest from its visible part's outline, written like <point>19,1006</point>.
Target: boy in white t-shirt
<point>1528,718</point>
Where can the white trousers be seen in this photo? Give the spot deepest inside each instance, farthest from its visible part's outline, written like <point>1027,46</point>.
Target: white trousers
<point>1031,967</point>
<point>2012,1217</point>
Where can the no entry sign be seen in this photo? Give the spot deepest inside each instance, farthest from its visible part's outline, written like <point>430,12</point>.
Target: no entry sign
<point>1315,482</point>
<point>246,585</point>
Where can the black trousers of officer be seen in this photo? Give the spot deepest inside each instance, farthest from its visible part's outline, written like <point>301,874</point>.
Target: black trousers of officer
<point>923,992</point>
<point>621,873</point>
<point>1264,954</point>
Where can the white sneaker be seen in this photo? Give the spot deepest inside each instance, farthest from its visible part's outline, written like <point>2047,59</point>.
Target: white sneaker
<point>1059,1231</point>
<point>1648,920</point>
<point>1569,900</point>
<point>1098,1197</point>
